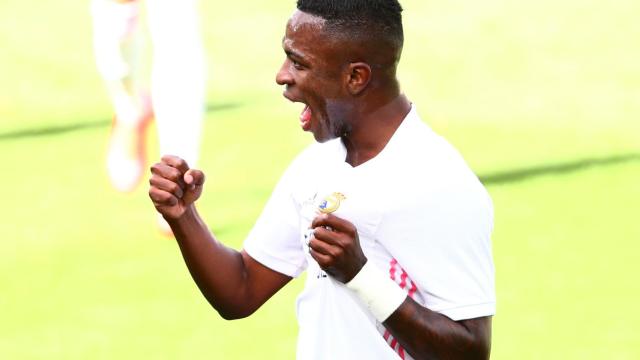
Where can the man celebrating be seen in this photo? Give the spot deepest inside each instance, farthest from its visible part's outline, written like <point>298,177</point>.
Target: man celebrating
<point>391,225</point>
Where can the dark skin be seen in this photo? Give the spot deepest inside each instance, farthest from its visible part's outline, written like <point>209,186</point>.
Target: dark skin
<point>335,77</point>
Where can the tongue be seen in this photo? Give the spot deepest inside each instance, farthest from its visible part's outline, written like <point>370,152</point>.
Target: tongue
<point>305,118</point>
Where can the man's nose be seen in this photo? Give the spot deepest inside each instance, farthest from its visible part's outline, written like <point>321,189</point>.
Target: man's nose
<point>283,77</point>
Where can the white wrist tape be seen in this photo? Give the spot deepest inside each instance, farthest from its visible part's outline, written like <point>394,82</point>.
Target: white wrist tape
<point>381,295</point>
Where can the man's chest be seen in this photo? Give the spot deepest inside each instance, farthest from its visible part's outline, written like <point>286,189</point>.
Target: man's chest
<point>347,196</point>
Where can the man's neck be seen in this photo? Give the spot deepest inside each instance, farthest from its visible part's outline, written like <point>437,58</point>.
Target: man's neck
<point>373,130</point>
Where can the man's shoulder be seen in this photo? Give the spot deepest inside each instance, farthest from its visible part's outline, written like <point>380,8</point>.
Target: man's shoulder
<point>429,164</point>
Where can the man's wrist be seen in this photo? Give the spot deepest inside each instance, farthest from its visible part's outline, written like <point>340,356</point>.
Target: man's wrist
<point>188,216</point>
<point>381,295</point>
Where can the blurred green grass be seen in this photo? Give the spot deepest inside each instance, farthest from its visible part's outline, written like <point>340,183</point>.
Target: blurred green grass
<point>515,86</point>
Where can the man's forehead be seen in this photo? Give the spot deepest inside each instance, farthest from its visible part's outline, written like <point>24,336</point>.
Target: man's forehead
<point>303,30</point>
<point>301,20</point>
<point>306,39</point>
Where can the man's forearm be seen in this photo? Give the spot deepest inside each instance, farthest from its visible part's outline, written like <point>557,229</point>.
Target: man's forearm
<point>426,334</point>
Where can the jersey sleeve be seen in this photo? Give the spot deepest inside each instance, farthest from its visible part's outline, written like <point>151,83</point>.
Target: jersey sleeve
<point>443,242</point>
<point>274,240</point>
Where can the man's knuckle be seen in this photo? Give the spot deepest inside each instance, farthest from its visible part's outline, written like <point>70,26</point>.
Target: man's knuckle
<point>174,175</point>
<point>159,196</point>
<point>162,198</point>
<point>155,197</point>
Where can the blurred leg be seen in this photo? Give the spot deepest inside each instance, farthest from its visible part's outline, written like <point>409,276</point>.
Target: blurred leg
<point>117,43</point>
<point>177,76</point>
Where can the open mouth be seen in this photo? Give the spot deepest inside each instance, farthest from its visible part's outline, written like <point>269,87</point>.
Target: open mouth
<point>305,115</point>
<point>305,118</point>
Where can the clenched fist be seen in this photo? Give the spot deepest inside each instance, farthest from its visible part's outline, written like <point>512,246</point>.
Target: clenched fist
<point>174,187</point>
<point>335,245</point>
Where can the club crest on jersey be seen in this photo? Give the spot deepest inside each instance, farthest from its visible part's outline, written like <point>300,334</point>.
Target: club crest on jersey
<point>330,203</point>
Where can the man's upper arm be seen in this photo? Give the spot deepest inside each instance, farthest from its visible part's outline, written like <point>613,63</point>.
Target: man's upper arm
<point>263,281</point>
<point>481,330</point>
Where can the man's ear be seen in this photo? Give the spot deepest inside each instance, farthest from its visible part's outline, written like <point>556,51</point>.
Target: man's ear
<point>359,77</point>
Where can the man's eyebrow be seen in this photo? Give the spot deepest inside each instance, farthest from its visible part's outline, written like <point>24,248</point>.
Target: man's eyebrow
<point>293,53</point>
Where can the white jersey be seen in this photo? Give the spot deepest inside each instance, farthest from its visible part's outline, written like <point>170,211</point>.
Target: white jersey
<point>422,216</point>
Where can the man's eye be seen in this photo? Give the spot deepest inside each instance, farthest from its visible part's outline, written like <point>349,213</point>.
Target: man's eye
<point>297,65</point>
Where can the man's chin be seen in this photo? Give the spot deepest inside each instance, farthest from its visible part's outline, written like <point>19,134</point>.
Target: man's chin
<point>323,133</point>
<point>323,137</point>
<point>320,139</point>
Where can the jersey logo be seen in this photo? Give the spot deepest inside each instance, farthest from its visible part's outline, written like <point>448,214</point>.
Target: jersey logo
<point>331,203</point>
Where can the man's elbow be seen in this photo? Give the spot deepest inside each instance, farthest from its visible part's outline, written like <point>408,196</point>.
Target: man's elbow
<point>478,347</point>
<point>481,350</point>
<point>233,315</point>
<point>478,339</point>
<point>230,315</point>
<point>231,308</point>
<point>234,312</point>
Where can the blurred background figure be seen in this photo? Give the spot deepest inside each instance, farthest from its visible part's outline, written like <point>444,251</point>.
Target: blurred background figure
<point>176,93</point>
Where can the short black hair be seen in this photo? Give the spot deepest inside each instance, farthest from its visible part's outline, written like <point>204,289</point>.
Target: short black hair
<point>381,19</point>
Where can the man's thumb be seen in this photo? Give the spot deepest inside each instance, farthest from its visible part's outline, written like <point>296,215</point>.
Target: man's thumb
<point>193,178</point>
